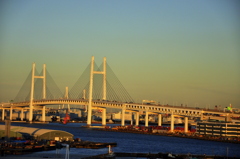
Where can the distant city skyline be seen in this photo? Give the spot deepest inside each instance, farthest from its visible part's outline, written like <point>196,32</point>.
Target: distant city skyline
<point>173,52</point>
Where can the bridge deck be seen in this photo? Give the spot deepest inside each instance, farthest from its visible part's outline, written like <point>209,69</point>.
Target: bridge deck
<point>162,109</point>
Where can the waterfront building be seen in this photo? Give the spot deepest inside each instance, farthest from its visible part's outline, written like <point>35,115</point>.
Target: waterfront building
<point>218,129</point>
<point>39,134</point>
<point>118,116</point>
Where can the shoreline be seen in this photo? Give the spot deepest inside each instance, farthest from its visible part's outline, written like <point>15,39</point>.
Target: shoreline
<point>120,155</point>
<point>181,135</point>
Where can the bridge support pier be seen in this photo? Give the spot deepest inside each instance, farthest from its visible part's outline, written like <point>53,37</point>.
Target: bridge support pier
<point>21,116</point>
<point>201,118</point>
<point>123,117</point>
<point>159,119</point>
<point>10,116</point>
<point>104,112</point>
<point>146,119</point>
<point>172,123</point>
<point>132,118</point>
<point>3,114</point>
<point>30,117</point>
<point>44,114</point>
<point>185,124</point>
<point>137,118</point>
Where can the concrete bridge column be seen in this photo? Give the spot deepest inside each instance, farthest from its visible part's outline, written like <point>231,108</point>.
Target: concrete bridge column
<point>132,118</point>
<point>10,116</point>
<point>159,119</point>
<point>172,123</point>
<point>89,114</point>
<point>146,119</point>
<point>104,112</point>
<point>185,124</point>
<point>44,113</point>
<point>21,116</point>
<point>201,118</point>
<point>3,114</point>
<point>137,119</point>
<point>123,117</point>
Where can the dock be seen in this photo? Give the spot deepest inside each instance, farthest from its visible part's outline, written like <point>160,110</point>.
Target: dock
<point>12,148</point>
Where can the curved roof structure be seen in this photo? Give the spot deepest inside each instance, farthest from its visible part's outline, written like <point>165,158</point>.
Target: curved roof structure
<point>12,134</point>
<point>40,134</point>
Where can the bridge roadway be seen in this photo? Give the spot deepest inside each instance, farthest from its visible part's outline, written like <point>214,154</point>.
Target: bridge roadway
<point>133,107</point>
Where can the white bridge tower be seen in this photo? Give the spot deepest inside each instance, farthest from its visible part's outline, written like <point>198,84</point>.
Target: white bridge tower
<point>92,72</point>
<point>32,91</point>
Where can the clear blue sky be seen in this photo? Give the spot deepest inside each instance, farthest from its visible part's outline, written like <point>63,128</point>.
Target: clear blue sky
<point>170,51</point>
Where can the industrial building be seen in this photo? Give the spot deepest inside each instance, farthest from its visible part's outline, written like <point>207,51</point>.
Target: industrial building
<point>38,134</point>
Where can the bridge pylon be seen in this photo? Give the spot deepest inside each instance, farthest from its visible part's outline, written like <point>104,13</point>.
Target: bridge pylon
<point>92,72</point>
<point>32,88</point>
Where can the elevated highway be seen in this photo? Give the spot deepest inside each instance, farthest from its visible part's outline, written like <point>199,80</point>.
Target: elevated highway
<point>136,108</point>
<point>153,108</point>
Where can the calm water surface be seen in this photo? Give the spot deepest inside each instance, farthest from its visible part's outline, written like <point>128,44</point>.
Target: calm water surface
<point>127,142</point>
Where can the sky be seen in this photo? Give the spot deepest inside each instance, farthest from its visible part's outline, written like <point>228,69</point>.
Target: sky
<point>173,52</point>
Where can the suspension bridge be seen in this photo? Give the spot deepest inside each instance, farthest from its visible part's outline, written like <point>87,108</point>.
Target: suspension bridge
<point>100,89</point>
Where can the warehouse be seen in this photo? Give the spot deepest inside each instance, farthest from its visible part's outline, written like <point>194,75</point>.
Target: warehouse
<point>40,134</point>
